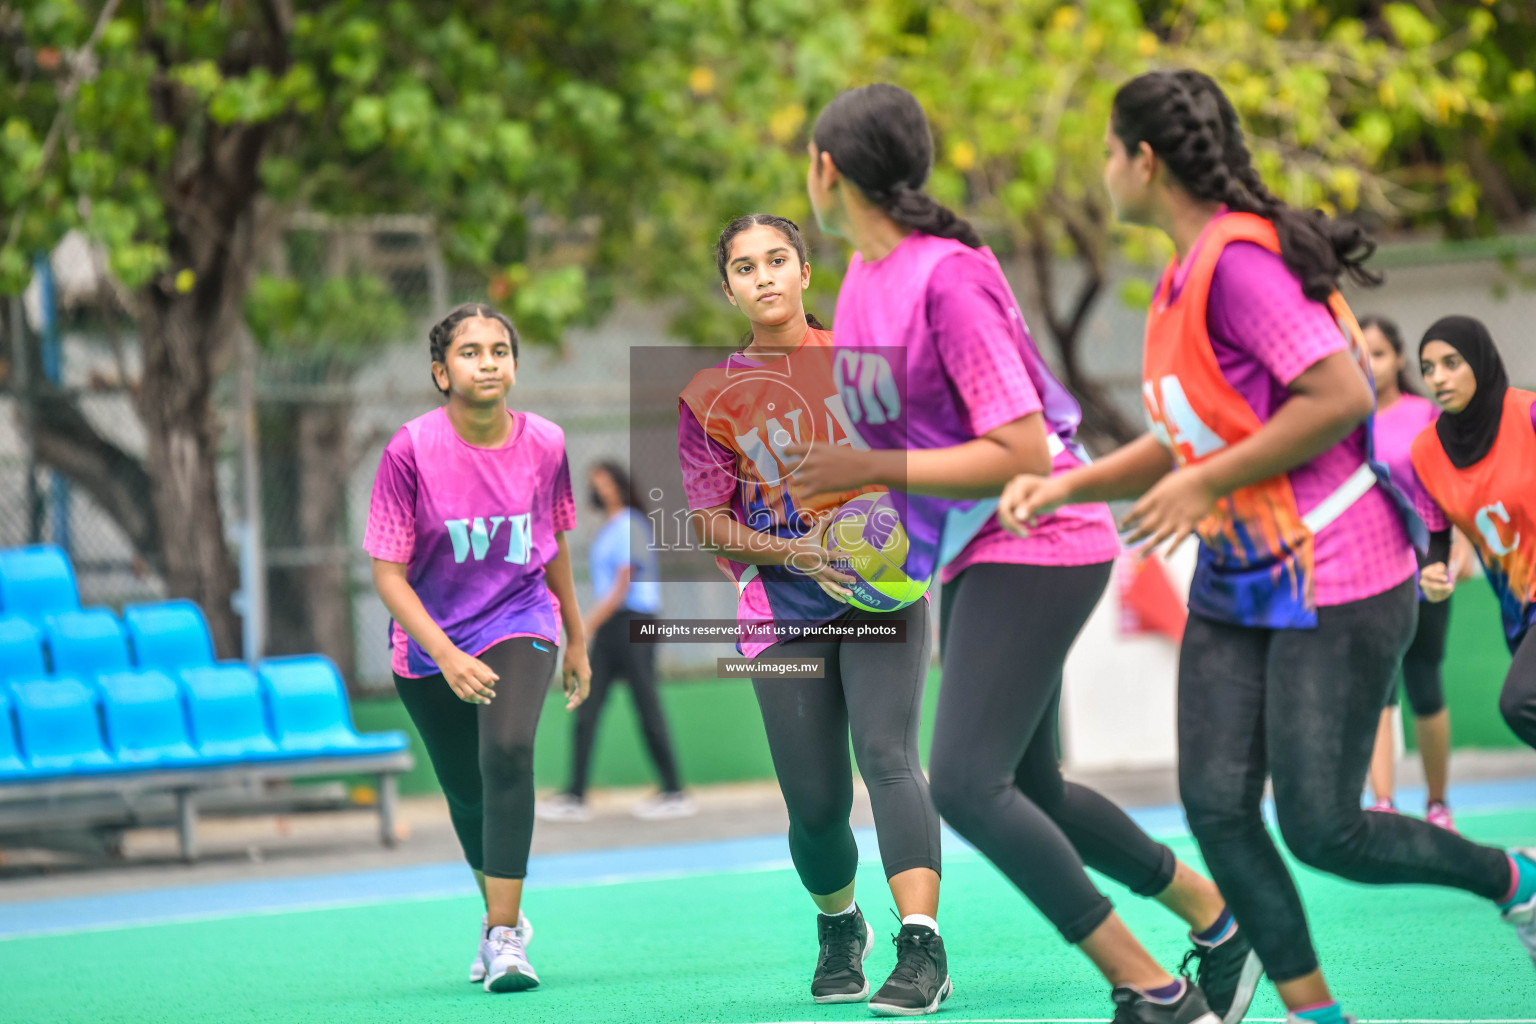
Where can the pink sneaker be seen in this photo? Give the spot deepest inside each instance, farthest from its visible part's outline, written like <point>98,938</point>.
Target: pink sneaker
<point>1383,807</point>
<point>1437,813</point>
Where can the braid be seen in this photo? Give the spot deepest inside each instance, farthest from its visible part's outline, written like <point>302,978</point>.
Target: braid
<point>1194,129</point>
<point>878,136</point>
<point>921,212</point>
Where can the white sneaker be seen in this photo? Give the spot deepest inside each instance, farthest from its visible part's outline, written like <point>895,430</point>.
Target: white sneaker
<point>477,969</point>
<point>565,807</point>
<point>506,961</point>
<point>665,806</point>
<point>1523,915</point>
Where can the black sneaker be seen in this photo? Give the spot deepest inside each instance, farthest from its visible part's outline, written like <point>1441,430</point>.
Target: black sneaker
<point>1228,974</point>
<point>845,943</point>
<point>1131,1007</point>
<point>920,981</point>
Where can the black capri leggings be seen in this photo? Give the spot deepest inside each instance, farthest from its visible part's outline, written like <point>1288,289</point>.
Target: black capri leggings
<point>1517,701</point>
<point>874,691</point>
<point>1301,706</point>
<point>614,658</point>
<point>482,754</point>
<point>995,770</point>
<point>1421,663</point>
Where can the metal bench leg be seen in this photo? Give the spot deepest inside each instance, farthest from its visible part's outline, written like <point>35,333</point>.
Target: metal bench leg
<point>186,823</point>
<point>389,796</point>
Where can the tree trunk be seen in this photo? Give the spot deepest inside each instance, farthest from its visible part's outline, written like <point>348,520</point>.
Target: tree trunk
<point>1104,427</point>
<point>188,319</point>
<point>325,460</point>
<point>183,462</point>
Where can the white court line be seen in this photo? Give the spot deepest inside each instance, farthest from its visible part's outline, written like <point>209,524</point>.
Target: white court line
<point>384,900</point>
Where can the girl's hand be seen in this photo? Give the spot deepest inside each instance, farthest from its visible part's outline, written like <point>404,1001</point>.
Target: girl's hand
<point>826,468</point>
<point>1436,582</point>
<point>575,675</point>
<point>1026,498</point>
<point>469,677</point>
<point>1170,511</point>
<point>810,557</point>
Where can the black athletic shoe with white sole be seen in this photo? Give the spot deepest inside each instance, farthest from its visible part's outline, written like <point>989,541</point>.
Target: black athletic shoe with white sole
<point>845,943</point>
<point>920,981</point>
<point>1228,974</point>
<point>1131,1007</point>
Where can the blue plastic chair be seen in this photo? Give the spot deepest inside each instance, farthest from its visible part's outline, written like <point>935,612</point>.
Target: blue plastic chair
<point>21,648</point>
<point>87,643</point>
<point>11,763</point>
<point>227,714</point>
<point>57,724</point>
<point>36,581</point>
<point>308,709</point>
<point>168,635</point>
<point>145,723</point>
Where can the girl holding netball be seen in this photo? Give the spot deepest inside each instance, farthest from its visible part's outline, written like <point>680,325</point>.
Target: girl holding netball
<point>735,422</point>
<point>947,389</point>
<point>467,532</point>
<point>1401,414</point>
<point>1303,600</point>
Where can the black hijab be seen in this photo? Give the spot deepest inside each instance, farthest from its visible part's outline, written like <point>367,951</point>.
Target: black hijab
<point>1468,435</point>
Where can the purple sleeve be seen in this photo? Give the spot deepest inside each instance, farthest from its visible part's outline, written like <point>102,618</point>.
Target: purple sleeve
<point>390,535</point>
<point>706,463</point>
<point>562,513</point>
<point>975,331</point>
<point>1258,308</point>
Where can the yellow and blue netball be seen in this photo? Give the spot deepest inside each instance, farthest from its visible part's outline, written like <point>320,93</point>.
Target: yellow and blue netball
<point>867,540</point>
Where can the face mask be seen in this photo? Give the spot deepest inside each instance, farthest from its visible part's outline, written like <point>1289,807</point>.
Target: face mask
<point>596,499</point>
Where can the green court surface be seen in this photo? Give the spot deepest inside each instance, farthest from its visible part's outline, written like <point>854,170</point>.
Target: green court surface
<point>730,947</point>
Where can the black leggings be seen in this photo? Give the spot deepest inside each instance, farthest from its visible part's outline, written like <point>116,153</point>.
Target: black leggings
<point>874,690</point>
<point>995,770</point>
<point>1302,706</point>
<point>1517,701</point>
<point>614,657</point>
<point>482,754</point>
<point>1421,663</point>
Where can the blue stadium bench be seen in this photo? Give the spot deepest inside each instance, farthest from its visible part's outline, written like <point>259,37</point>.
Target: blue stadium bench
<point>10,754</point>
<point>145,723</point>
<point>226,712</point>
<point>57,724</point>
<point>307,705</point>
<point>86,643</point>
<point>21,648</point>
<point>36,581</point>
<point>168,635</point>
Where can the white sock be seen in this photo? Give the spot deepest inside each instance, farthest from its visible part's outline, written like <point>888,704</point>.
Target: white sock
<point>922,919</point>
<point>850,908</point>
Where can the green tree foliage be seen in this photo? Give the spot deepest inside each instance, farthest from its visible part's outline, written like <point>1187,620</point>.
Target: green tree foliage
<point>572,148</point>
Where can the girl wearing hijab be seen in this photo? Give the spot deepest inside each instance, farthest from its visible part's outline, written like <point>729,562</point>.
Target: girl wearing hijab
<point>1478,465</point>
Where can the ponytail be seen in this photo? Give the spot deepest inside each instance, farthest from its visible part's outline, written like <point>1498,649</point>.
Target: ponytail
<point>1193,128</point>
<point>879,139</point>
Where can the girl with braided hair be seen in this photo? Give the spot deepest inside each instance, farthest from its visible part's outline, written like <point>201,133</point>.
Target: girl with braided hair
<point>1303,600</point>
<point>950,398</point>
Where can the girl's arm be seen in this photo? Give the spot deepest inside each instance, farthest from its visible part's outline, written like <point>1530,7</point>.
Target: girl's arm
<point>1328,400</point>
<point>575,671</point>
<point>611,602</point>
<point>470,678</point>
<point>1127,472</point>
<point>721,533</point>
<point>975,469</point>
